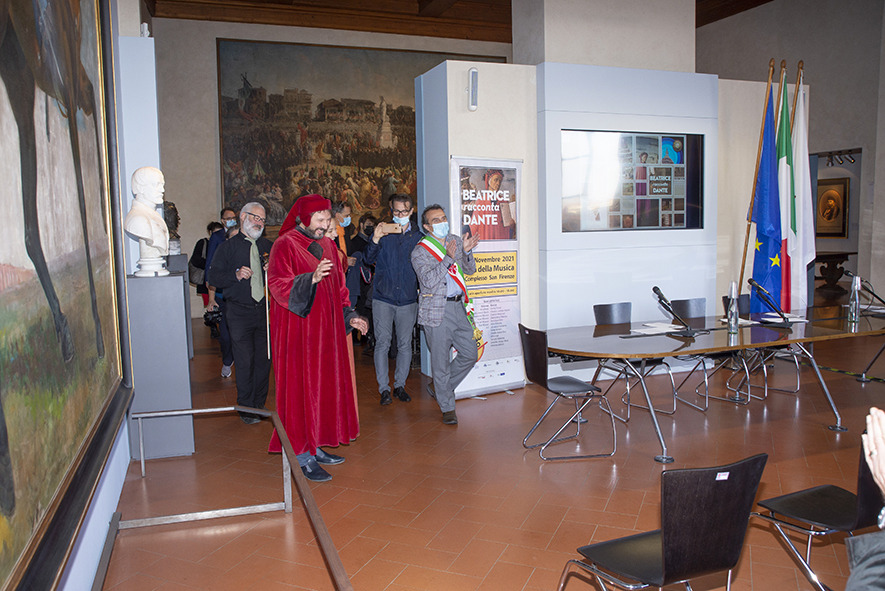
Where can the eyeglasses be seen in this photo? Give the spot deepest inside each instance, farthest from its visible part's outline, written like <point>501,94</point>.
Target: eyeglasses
<point>402,212</point>
<point>258,218</point>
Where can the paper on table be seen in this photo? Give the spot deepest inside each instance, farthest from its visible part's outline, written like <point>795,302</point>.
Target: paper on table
<point>774,317</point>
<point>741,321</point>
<point>656,328</point>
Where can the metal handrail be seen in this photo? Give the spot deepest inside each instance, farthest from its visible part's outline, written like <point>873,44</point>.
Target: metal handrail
<point>330,553</point>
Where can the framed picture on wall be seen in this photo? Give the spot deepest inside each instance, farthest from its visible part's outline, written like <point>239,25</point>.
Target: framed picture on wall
<point>831,220</point>
<point>339,121</point>
<point>60,355</point>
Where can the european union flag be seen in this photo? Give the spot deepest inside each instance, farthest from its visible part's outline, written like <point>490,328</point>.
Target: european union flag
<point>767,217</point>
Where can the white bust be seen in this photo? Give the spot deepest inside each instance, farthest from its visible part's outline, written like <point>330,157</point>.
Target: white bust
<point>146,224</point>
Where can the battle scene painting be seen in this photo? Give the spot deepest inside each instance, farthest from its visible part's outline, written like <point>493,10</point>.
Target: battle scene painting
<point>299,119</point>
<point>59,348</point>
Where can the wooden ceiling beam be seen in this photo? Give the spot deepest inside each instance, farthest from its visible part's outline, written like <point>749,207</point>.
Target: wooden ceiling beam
<point>434,7</point>
<point>237,11</point>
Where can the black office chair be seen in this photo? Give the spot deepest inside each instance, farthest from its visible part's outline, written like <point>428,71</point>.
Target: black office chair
<point>621,313</point>
<point>581,394</point>
<point>704,516</point>
<point>758,361</point>
<point>821,511</point>
<point>696,308</point>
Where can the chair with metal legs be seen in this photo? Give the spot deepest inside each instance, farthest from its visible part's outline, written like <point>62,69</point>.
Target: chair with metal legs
<point>758,361</point>
<point>821,511</point>
<point>696,308</point>
<point>704,517</point>
<point>620,313</point>
<point>566,388</point>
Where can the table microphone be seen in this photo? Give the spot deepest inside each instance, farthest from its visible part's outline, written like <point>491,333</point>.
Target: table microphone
<point>661,295</point>
<point>766,297</point>
<point>688,332</point>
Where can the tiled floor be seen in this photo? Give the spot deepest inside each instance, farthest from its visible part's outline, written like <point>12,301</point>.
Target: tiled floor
<point>423,506</point>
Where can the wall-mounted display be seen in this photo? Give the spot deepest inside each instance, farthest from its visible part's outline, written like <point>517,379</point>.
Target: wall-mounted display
<point>618,180</point>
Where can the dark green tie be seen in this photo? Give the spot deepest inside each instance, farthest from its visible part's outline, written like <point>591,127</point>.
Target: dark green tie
<point>255,264</point>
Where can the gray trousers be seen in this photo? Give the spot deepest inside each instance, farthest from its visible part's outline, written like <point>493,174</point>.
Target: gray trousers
<point>455,331</point>
<point>386,317</point>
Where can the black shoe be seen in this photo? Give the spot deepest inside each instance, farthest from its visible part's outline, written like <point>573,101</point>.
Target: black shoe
<point>249,419</point>
<point>402,394</point>
<point>324,457</point>
<point>450,418</point>
<point>314,472</point>
<point>385,398</point>
<point>430,390</point>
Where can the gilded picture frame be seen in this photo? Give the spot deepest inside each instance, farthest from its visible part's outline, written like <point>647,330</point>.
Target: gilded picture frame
<point>831,210</point>
<point>63,391</point>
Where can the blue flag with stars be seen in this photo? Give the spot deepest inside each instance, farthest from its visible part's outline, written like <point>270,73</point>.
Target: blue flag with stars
<point>767,217</point>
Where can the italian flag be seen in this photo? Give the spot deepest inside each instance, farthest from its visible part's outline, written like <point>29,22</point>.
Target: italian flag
<point>787,201</point>
<point>804,253</point>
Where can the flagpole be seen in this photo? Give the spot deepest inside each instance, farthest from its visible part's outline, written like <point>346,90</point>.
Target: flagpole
<point>756,172</point>
<point>799,72</point>
<point>780,93</point>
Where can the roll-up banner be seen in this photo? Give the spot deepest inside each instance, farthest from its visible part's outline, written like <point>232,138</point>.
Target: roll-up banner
<point>484,195</point>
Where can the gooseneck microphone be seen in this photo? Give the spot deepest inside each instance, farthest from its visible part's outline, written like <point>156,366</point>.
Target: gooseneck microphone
<point>765,296</point>
<point>662,299</point>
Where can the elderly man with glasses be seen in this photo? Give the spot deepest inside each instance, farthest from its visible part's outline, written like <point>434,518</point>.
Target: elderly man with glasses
<point>238,268</point>
<point>395,297</point>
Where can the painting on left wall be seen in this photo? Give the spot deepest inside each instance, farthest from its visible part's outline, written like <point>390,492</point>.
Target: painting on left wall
<point>59,328</point>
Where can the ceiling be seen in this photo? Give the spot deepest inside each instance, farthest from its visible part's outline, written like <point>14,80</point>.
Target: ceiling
<point>480,20</point>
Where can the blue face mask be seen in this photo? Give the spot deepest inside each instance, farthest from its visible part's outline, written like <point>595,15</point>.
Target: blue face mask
<point>401,221</point>
<point>345,222</point>
<point>230,223</point>
<point>441,230</point>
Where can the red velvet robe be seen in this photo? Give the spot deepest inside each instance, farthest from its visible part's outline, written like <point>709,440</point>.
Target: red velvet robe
<point>314,381</point>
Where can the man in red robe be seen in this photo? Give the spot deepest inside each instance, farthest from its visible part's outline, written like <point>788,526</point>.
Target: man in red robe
<point>310,317</point>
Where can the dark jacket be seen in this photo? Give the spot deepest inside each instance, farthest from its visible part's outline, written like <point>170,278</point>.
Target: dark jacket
<point>198,259</point>
<point>394,282</point>
<point>232,254</point>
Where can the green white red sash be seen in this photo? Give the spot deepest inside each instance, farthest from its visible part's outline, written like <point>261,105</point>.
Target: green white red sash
<point>436,249</point>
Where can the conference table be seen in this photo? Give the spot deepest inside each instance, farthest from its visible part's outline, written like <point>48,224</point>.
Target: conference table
<point>624,343</point>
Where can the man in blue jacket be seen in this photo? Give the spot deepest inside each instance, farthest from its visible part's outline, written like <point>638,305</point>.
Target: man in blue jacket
<point>395,299</point>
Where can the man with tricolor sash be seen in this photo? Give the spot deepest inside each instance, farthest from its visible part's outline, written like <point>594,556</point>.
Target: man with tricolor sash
<point>441,260</point>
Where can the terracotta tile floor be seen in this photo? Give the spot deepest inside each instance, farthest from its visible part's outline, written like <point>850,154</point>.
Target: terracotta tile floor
<point>423,506</point>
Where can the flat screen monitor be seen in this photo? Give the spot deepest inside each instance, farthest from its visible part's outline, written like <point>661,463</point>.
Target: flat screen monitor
<point>629,180</point>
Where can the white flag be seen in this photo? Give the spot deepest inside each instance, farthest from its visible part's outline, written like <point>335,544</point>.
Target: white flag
<point>805,252</point>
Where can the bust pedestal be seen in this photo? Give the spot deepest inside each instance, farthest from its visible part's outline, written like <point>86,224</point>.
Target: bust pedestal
<point>158,322</point>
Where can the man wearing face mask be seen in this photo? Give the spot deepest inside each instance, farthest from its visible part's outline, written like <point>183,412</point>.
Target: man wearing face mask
<point>310,315</point>
<point>344,229</point>
<point>238,269</point>
<point>395,295</point>
<point>216,296</point>
<point>441,260</point>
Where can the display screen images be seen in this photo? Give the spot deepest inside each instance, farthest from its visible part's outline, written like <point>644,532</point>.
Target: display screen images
<point>624,180</point>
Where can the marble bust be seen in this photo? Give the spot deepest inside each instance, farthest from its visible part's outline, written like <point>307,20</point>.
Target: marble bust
<point>146,224</point>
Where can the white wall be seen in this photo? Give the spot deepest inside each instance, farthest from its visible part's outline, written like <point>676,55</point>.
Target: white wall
<point>658,35</point>
<point>187,73</point>
<point>841,46</point>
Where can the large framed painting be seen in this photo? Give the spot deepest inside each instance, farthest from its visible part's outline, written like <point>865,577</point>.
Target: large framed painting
<point>60,354</point>
<point>831,220</point>
<point>298,119</point>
